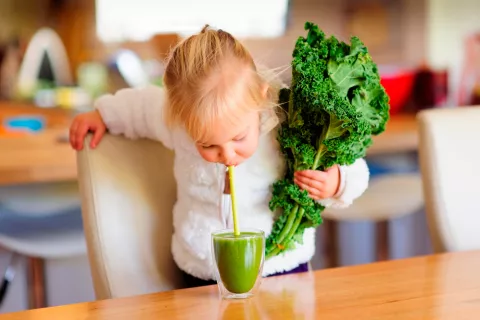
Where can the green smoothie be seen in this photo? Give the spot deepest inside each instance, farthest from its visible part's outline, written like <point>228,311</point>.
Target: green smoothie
<point>238,259</point>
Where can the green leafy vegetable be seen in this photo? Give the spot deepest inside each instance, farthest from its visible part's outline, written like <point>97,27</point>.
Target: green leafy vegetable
<point>335,104</point>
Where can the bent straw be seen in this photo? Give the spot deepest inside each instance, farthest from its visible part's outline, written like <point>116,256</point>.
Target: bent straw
<point>231,176</point>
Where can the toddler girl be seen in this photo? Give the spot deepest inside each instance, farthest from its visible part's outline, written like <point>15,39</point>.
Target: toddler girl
<point>217,110</point>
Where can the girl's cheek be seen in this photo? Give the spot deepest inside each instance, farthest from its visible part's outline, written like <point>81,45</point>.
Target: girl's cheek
<point>248,148</point>
<point>208,155</point>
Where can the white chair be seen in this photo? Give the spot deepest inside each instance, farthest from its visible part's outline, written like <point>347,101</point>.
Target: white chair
<point>450,165</point>
<point>128,191</point>
<point>387,197</point>
<point>39,222</point>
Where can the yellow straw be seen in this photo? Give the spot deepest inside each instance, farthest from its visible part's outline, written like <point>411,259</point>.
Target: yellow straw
<point>231,175</point>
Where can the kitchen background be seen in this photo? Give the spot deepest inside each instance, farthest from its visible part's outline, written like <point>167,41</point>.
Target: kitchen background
<point>56,56</point>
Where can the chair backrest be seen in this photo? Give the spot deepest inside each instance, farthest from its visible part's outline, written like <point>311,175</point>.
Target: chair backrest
<point>128,191</point>
<point>450,165</point>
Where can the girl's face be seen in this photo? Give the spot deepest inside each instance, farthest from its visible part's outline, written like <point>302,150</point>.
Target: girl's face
<point>231,145</point>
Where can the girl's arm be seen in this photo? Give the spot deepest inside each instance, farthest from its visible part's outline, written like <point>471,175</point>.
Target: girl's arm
<point>135,113</point>
<point>353,183</point>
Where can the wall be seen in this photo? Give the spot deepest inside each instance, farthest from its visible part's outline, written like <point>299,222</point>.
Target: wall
<point>277,52</point>
<point>75,22</point>
<point>21,17</point>
<point>449,23</point>
<point>331,17</point>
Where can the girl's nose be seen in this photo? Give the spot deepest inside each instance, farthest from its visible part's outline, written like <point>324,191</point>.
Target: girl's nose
<point>228,156</point>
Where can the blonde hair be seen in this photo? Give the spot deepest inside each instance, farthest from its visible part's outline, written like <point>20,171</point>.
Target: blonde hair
<point>211,77</point>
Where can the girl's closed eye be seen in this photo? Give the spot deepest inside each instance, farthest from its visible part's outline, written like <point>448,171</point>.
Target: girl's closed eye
<point>240,138</point>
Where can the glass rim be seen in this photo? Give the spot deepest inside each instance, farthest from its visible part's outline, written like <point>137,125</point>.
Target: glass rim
<point>256,232</point>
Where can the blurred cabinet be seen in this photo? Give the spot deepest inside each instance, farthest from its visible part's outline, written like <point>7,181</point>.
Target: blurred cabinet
<point>393,30</point>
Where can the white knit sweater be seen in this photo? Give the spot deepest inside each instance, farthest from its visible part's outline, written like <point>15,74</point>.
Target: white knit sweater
<point>200,207</point>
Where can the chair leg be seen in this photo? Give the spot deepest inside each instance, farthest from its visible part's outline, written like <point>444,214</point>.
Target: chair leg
<point>330,243</point>
<point>382,240</point>
<point>36,283</point>
<point>8,277</point>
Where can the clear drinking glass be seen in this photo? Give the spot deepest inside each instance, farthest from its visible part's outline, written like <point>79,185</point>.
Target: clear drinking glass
<point>238,262</point>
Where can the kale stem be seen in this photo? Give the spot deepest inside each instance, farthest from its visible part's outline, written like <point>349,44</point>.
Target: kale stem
<point>321,146</point>
<point>295,226</point>
<point>288,225</point>
<point>273,253</point>
<point>291,233</point>
<point>318,156</point>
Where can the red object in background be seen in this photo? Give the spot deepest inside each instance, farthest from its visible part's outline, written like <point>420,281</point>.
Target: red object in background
<point>398,84</point>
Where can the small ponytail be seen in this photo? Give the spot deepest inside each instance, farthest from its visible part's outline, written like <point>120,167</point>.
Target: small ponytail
<point>205,28</point>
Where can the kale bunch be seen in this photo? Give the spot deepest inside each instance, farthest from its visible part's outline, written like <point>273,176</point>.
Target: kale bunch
<point>334,105</point>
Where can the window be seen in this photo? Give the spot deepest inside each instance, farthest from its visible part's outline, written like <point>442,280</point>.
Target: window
<point>138,20</point>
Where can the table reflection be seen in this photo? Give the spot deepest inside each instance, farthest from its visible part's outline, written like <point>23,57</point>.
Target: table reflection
<point>281,297</point>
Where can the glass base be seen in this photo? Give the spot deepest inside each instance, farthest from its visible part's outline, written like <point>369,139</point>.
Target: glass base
<point>227,295</point>
<point>237,296</point>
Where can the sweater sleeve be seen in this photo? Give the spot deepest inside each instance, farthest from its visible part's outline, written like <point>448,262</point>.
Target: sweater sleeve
<point>136,113</point>
<point>353,183</point>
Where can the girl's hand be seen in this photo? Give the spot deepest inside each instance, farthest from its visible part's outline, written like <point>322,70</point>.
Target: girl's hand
<point>319,184</point>
<point>82,124</point>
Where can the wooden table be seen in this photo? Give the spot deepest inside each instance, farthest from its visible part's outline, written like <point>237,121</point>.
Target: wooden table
<point>437,287</point>
<point>36,157</point>
<point>401,135</point>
